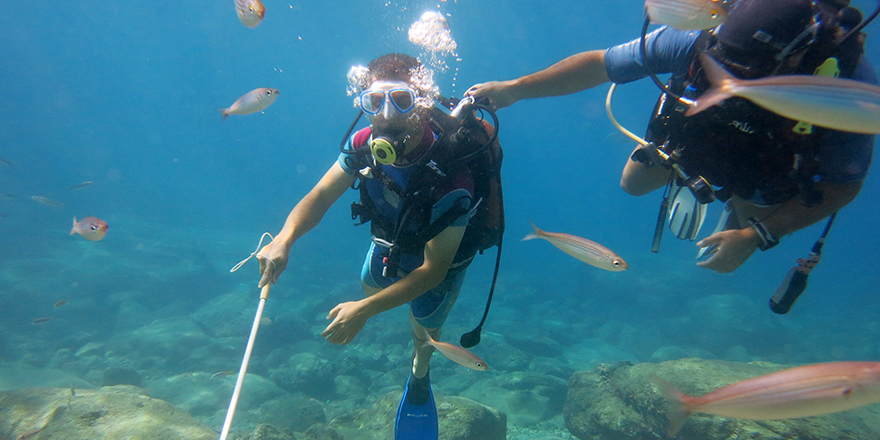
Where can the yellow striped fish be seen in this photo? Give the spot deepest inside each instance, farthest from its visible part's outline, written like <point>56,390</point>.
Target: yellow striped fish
<point>585,250</point>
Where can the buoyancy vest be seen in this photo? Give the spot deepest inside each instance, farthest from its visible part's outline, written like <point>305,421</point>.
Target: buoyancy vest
<point>740,147</point>
<point>461,146</point>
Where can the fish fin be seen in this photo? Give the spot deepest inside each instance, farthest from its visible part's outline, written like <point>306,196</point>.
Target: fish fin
<point>533,235</point>
<point>678,414</point>
<point>73,230</point>
<point>720,90</point>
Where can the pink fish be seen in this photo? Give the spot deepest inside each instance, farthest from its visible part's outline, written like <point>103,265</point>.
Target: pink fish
<point>459,355</point>
<point>840,104</point>
<point>810,390</point>
<point>585,250</point>
<point>687,14</point>
<point>91,228</point>
<point>250,12</point>
<point>254,101</point>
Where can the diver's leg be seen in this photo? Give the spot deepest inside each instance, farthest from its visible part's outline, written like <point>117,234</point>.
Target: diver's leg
<point>422,353</point>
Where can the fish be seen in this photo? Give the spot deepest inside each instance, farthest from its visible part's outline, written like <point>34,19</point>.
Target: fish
<point>805,391</point>
<point>85,184</point>
<point>459,355</point>
<point>47,201</point>
<point>836,103</point>
<point>251,102</point>
<point>223,374</point>
<point>60,303</point>
<point>250,12</point>
<point>686,14</point>
<point>91,228</point>
<point>585,250</point>
<point>8,196</point>
<point>5,162</point>
<point>39,321</point>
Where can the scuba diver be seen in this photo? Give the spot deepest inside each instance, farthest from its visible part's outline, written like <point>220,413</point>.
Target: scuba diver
<point>775,175</point>
<point>426,180</point>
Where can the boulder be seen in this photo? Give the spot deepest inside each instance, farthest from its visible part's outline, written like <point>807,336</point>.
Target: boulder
<point>616,402</point>
<point>527,398</point>
<point>115,412</point>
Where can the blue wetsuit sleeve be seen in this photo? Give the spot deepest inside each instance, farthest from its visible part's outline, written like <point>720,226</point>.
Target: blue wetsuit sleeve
<point>668,50</point>
<point>845,157</point>
<point>347,159</point>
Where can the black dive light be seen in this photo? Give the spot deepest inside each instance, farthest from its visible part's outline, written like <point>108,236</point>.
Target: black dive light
<point>795,282</point>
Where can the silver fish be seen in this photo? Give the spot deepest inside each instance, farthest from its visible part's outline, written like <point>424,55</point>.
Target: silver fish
<point>47,201</point>
<point>585,250</point>
<point>251,102</point>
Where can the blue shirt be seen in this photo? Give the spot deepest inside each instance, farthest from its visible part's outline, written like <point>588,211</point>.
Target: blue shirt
<point>843,157</point>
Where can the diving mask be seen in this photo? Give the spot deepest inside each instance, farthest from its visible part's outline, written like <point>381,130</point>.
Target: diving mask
<point>401,96</point>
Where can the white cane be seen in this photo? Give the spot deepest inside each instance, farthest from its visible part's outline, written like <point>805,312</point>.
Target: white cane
<point>264,295</point>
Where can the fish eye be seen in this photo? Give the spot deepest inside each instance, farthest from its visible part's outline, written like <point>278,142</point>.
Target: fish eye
<point>251,8</point>
<point>480,364</point>
<point>93,227</point>
<point>615,263</point>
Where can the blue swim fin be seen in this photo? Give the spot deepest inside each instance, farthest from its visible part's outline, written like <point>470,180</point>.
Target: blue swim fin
<point>417,414</point>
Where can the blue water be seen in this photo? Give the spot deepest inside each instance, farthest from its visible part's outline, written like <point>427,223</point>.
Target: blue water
<point>125,94</point>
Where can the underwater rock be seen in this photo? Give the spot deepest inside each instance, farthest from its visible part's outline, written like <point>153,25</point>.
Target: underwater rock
<point>108,413</point>
<point>14,378</point>
<point>205,395</point>
<point>527,342</point>
<point>527,398</point>
<point>293,412</point>
<point>463,419</point>
<point>121,376</point>
<point>166,342</point>
<point>306,373</point>
<point>673,352</point>
<point>616,402</point>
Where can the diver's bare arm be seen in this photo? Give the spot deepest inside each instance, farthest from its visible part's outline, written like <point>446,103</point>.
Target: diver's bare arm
<point>794,215</point>
<point>311,209</point>
<point>439,254</point>
<point>578,72</point>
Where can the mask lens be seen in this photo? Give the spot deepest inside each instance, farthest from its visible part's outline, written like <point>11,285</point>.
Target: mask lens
<point>371,101</point>
<point>403,100</point>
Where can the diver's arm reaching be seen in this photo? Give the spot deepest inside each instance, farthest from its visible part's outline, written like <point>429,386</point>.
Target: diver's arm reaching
<point>578,72</point>
<point>735,246</point>
<point>348,318</point>
<point>304,216</point>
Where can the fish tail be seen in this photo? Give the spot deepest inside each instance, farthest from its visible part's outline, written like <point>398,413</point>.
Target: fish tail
<point>533,235</point>
<point>73,230</point>
<point>721,81</point>
<point>225,112</point>
<point>678,413</point>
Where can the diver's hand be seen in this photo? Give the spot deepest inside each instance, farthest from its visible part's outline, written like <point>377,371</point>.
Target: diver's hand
<point>735,246</point>
<point>348,319</point>
<point>499,93</point>
<point>273,261</point>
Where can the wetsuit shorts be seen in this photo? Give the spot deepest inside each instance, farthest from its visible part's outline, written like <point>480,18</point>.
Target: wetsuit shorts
<point>431,308</point>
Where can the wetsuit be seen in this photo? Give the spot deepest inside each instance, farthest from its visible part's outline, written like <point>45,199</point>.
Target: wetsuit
<point>842,157</point>
<point>431,308</point>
